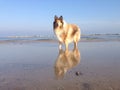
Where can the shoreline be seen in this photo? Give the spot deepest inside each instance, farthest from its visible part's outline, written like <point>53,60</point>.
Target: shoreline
<point>38,38</point>
<point>54,41</point>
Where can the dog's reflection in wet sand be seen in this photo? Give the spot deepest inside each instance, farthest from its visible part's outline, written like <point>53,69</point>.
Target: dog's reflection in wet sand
<point>66,61</point>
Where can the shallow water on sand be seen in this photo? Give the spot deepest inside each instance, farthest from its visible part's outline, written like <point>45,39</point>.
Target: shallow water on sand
<point>41,66</point>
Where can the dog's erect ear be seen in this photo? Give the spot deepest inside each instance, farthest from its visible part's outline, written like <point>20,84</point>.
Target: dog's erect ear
<point>61,17</point>
<point>55,17</point>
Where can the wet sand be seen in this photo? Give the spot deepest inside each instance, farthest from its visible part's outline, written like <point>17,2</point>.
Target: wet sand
<point>41,66</point>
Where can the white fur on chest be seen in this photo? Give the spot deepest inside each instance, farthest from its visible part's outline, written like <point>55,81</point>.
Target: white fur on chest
<point>59,36</point>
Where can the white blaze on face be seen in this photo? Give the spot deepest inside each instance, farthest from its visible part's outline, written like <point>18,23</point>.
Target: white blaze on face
<point>59,23</point>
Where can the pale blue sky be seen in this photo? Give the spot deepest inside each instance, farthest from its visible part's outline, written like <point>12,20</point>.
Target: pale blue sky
<point>31,17</point>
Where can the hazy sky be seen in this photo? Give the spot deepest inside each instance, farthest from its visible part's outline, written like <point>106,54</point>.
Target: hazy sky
<point>31,17</point>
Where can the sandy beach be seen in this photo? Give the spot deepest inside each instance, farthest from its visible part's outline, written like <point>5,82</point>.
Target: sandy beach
<point>39,65</point>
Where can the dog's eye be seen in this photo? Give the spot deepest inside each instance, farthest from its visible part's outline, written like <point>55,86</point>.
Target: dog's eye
<point>55,24</point>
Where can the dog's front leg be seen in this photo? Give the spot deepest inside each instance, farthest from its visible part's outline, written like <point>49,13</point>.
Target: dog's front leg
<point>66,46</point>
<point>60,45</point>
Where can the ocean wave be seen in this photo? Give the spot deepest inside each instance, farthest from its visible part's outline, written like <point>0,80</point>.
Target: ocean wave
<point>53,37</point>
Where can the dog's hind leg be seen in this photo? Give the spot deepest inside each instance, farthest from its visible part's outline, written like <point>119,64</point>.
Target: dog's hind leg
<point>76,40</point>
<point>75,45</point>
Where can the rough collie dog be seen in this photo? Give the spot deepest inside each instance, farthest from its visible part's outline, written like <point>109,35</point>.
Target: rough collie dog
<point>66,33</point>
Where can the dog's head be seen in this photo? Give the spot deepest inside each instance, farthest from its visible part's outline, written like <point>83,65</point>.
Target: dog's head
<point>58,22</point>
